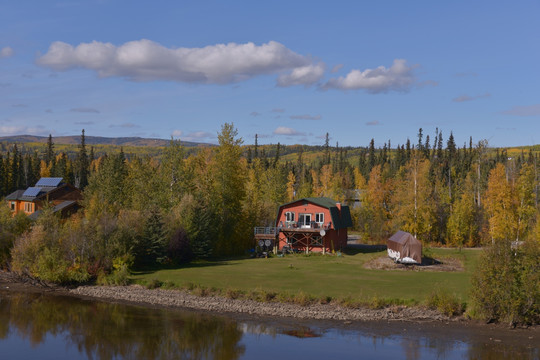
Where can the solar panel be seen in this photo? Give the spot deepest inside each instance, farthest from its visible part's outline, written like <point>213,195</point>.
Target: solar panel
<point>32,191</point>
<point>49,181</point>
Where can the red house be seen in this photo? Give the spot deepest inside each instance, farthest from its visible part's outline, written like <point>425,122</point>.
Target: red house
<point>313,224</point>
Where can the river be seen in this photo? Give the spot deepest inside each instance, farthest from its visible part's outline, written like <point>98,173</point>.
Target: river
<point>37,325</point>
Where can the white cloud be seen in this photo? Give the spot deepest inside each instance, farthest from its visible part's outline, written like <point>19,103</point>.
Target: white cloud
<point>6,52</point>
<point>464,98</point>
<point>145,60</point>
<point>198,136</point>
<point>84,110</point>
<point>336,68</point>
<point>255,114</point>
<point>304,75</point>
<point>177,133</point>
<point>530,110</point>
<point>21,130</point>
<point>126,125</point>
<point>282,130</point>
<point>305,117</point>
<point>278,110</point>
<point>399,77</point>
<point>373,123</point>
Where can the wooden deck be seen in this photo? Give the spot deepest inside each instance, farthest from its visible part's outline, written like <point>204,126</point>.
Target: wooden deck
<point>265,233</point>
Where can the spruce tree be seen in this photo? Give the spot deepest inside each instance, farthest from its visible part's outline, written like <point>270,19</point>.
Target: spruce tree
<point>14,178</point>
<point>82,165</point>
<point>7,177</point>
<point>326,159</point>
<point>3,176</point>
<point>371,155</point>
<point>420,146</point>
<point>276,158</point>
<point>152,246</point>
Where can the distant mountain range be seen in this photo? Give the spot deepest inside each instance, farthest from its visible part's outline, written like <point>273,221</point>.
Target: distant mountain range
<point>97,140</point>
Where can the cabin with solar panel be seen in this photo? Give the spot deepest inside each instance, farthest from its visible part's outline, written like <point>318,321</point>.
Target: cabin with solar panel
<point>316,224</point>
<point>61,196</point>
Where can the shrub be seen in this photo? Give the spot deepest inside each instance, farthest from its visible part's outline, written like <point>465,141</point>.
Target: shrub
<point>154,284</point>
<point>6,243</point>
<point>179,249</point>
<point>303,299</point>
<point>445,303</point>
<point>324,299</point>
<point>233,293</point>
<point>506,285</point>
<point>50,266</point>
<point>201,291</point>
<point>349,302</point>
<point>262,295</point>
<point>380,303</point>
<point>10,228</point>
<point>168,284</point>
<point>117,277</point>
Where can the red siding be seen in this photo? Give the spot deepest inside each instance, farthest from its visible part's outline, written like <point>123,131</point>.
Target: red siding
<point>333,239</point>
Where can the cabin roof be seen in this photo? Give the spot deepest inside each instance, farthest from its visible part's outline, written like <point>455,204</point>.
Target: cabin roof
<point>320,201</point>
<point>59,207</point>
<point>14,195</point>
<point>44,186</point>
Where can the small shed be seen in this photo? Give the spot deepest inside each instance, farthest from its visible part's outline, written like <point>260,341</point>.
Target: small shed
<point>405,248</point>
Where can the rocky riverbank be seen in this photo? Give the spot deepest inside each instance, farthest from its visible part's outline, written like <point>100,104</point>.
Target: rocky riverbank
<point>182,299</point>
<point>137,294</point>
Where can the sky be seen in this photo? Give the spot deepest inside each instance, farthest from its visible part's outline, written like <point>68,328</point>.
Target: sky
<point>288,71</point>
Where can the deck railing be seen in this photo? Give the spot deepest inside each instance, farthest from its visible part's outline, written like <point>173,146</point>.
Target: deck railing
<point>311,225</point>
<point>269,230</point>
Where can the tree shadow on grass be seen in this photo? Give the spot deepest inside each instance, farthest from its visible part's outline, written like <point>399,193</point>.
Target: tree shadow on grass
<point>190,265</point>
<point>353,249</point>
<point>426,261</point>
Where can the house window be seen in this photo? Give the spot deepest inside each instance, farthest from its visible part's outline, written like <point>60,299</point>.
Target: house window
<point>12,205</point>
<point>28,207</point>
<point>289,216</point>
<point>319,218</point>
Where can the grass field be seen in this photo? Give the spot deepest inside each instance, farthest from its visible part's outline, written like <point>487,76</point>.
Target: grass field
<point>339,277</point>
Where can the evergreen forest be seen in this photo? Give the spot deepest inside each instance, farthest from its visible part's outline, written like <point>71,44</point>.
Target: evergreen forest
<point>141,210</point>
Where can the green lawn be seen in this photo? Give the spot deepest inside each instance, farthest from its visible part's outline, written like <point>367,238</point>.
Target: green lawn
<point>318,275</point>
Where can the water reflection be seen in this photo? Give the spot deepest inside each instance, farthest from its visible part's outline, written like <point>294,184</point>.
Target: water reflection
<point>109,331</point>
<point>98,330</point>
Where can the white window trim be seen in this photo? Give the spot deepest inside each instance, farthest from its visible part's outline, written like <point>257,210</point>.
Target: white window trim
<point>303,224</point>
<point>320,217</point>
<point>289,216</point>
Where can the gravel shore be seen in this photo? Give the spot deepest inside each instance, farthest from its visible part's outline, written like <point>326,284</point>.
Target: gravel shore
<point>137,294</point>
<point>181,299</point>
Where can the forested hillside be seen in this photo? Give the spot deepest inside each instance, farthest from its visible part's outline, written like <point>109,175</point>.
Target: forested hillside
<point>141,210</point>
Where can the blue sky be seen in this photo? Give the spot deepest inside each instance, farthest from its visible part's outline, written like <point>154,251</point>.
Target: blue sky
<point>290,71</point>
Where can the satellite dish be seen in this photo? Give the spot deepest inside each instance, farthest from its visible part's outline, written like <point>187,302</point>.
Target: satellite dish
<point>261,243</point>
<point>268,243</point>
<point>322,232</point>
